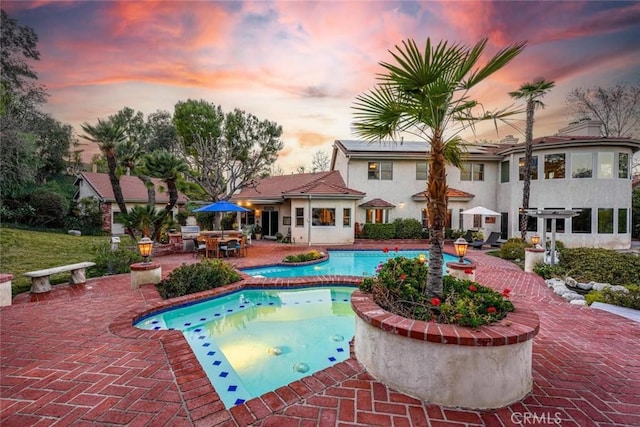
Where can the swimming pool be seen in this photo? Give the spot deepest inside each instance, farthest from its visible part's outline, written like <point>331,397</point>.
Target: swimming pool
<point>251,342</point>
<point>346,263</point>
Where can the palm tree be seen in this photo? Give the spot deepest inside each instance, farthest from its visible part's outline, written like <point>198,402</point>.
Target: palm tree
<point>108,136</point>
<point>167,167</point>
<point>424,94</point>
<point>531,92</point>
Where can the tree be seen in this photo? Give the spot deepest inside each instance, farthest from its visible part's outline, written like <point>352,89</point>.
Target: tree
<point>426,93</point>
<point>531,92</point>
<point>618,107</point>
<point>225,152</point>
<point>108,135</point>
<point>320,162</point>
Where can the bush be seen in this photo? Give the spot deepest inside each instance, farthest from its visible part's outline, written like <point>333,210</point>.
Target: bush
<point>399,287</point>
<point>623,299</point>
<point>307,256</point>
<point>513,249</point>
<point>408,228</point>
<point>601,265</point>
<point>547,271</point>
<point>191,278</point>
<point>113,261</point>
<point>379,231</point>
<point>86,217</point>
<point>49,208</point>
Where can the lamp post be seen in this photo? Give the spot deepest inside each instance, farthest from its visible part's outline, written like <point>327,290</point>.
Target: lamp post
<point>535,239</point>
<point>460,246</point>
<point>144,246</point>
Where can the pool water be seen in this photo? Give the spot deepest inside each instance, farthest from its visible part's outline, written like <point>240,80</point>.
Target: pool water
<point>346,263</point>
<point>255,341</point>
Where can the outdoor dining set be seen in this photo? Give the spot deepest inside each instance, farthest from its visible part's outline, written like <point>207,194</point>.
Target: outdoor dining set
<point>216,247</point>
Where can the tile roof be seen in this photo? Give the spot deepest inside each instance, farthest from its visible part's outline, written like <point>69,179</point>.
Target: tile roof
<point>133,189</point>
<point>377,203</point>
<point>285,186</point>
<point>452,193</point>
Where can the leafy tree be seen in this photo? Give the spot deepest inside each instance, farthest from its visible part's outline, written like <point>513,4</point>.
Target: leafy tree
<point>52,139</point>
<point>426,93</point>
<point>531,92</point>
<point>161,132</point>
<point>225,152</point>
<point>618,107</point>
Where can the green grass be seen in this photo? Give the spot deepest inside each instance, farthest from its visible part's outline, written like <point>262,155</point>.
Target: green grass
<point>22,251</point>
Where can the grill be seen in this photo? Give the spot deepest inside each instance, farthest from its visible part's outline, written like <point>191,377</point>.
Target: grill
<point>189,232</point>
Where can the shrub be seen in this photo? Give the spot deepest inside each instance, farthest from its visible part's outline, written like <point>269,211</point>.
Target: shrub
<point>49,208</point>
<point>307,256</point>
<point>513,249</point>
<point>623,299</point>
<point>455,234</point>
<point>191,278</point>
<point>379,231</point>
<point>408,228</point>
<point>399,287</point>
<point>547,271</point>
<point>601,265</point>
<point>110,261</point>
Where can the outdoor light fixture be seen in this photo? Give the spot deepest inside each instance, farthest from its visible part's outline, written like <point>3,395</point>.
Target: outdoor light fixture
<point>460,247</point>
<point>535,239</point>
<point>422,258</point>
<point>144,246</point>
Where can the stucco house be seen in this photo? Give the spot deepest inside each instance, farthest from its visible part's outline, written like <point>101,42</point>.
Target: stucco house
<point>98,186</point>
<point>315,208</point>
<point>574,170</point>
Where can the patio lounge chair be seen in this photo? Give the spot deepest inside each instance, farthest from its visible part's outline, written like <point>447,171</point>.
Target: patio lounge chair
<point>492,241</point>
<point>468,236</point>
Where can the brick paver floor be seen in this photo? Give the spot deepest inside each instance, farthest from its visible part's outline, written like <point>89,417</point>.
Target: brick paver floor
<point>70,357</point>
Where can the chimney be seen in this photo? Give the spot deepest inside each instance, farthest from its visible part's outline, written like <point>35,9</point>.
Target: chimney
<point>582,127</point>
<point>509,139</point>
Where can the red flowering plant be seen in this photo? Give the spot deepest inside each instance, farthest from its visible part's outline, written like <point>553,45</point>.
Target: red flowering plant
<point>399,287</point>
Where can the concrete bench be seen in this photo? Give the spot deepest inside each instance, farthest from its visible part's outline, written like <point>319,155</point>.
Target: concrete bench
<point>40,278</point>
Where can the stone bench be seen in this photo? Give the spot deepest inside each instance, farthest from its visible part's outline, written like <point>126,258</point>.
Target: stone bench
<point>40,278</point>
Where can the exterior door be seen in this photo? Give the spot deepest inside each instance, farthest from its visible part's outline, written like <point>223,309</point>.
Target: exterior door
<point>269,223</point>
<point>504,225</point>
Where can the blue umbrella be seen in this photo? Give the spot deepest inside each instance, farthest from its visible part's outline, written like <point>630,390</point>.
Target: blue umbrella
<point>222,206</point>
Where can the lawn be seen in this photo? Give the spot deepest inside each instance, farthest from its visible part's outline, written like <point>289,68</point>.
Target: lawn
<point>23,250</point>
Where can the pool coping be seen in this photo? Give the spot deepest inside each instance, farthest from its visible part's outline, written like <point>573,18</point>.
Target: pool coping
<point>201,398</point>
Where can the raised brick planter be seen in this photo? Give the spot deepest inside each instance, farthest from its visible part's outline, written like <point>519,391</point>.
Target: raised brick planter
<point>483,368</point>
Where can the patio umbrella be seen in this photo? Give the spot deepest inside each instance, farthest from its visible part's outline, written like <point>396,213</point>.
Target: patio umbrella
<point>480,210</point>
<point>222,206</point>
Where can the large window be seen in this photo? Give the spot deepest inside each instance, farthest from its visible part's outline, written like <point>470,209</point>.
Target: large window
<point>582,165</point>
<point>582,222</point>
<point>532,222</point>
<point>380,170</point>
<point>554,166</point>
<point>299,217</point>
<point>504,171</point>
<point>377,216</point>
<point>534,168</point>
<point>622,221</point>
<point>323,216</point>
<point>605,220</point>
<point>472,172</point>
<point>422,171</point>
<point>605,165</point>
<point>623,165</point>
<point>425,218</point>
<point>346,217</point>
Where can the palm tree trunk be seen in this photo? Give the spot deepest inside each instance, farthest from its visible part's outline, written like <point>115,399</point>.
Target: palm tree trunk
<point>173,199</point>
<point>117,189</point>
<point>528,156</point>
<point>437,210</point>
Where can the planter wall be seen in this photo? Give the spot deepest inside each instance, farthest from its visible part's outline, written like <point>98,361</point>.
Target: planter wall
<point>448,365</point>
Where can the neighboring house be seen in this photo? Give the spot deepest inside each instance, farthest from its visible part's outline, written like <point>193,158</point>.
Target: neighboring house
<point>98,186</point>
<point>576,169</point>
<point>315,208</point>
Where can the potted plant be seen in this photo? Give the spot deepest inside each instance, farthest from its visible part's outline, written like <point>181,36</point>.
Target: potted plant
<point>467,348</point>
<point>257,230</point>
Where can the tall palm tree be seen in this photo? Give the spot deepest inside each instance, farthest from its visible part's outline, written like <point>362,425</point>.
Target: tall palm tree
<point>167,167</point>
<point>531,92</point>
<point>426,93</point>
<point>108,135</point>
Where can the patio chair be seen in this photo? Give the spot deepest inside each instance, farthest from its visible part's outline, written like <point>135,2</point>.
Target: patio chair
<point>212,247</point>
<point>242,250</point>
<point>468,236</point>
<point>491,240</point>
<point>230,247</point>
<point>199,247</point>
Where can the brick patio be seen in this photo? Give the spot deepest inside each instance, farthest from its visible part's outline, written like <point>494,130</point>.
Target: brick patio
<point>70,357</point>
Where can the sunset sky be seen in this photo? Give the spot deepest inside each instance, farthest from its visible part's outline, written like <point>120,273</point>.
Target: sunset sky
<point>301,64</point>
